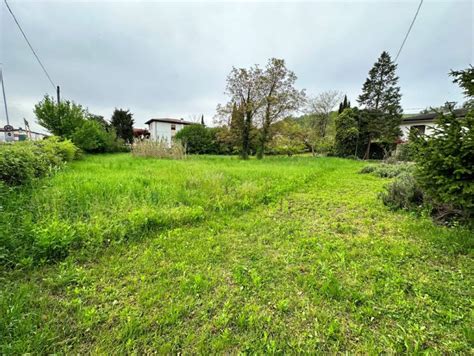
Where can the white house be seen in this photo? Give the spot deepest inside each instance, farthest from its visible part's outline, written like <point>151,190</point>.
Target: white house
<point>165,128</point>
<point>424,123</point>
<point>20,135</point>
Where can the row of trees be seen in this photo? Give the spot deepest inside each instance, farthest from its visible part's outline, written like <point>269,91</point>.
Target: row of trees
<point>378,117</point>
<point>261,98</point>
<point>92,133</point>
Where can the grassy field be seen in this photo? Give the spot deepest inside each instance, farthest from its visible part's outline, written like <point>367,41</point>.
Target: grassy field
<point>212,254</point>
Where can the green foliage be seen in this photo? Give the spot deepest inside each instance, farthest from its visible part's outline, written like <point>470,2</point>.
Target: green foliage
<point>60,119</point>
<point>287,138</point>
<point>406,151</point>
<point>347,132</point>
<point>403,193</point>
<point>89,132</point>
<point>22,162</point>
<point>345,104</point>
<point>381,100</point>
<point>445,162</point>
<point>122,121</point>
<point>196,138</point>
<point>91,137</point>
<point>388,170</point>
<point>465,79</point>
<point>217,255</point>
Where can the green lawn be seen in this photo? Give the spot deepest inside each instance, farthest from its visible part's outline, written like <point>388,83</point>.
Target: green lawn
<point>217,255</point>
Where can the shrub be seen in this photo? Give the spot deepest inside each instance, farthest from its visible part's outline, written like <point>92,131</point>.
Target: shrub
<point>403,193</point>
<point>405,152</point>
<point>22,162</point>
<point>347,133</point>
<point>92,137</point>
<point>159,149</point>
<point>445,163</point>
<point>388,170</point>
<point>196,138</point>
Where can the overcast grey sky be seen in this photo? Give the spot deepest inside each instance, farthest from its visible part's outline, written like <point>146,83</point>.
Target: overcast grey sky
<point>171,59</point>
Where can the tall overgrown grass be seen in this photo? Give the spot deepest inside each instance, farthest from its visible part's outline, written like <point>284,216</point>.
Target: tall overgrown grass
<point>159,149</point>
<point>110,199</point>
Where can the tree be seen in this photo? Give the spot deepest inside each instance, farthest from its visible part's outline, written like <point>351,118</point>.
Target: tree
<point>320,108</point>
<point>91,137</point>
<point>60,119</point>
<point>99,119</point>
<point>244,86</point>
<point>445,160</point>
<point>280,98</point>
<point>123,122</point>
<point>287,137</point>
<point>196,138</point>
<point>344,105</point>
<point>202,120</point>
<point>465,79</point>
<point>347,132</point>
<point>381,99</point>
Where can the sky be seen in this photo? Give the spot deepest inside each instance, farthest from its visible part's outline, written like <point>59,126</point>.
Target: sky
<point>171,59</point>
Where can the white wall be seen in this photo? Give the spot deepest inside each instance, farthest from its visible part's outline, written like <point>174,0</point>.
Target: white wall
<point>162,130</point>
<point>406,129</point>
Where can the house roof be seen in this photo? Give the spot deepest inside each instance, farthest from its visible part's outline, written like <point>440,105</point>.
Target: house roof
<point>431,116</point>
<point>170,120</point>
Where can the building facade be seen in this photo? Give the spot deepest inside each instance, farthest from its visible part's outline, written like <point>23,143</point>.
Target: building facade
<point>20,135</point>
<point>424,123</point>
<point>164,129</point>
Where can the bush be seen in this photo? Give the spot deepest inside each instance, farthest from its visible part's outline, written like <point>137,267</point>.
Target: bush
<point>347,132</point>
<point>92,137</point>
<point>22,162</point>
<point>159,149</point>
<point>388,170</point>
<point>403,193</point>
<point>196,138</point>
<point>405,152</point>
<point>445,163</point>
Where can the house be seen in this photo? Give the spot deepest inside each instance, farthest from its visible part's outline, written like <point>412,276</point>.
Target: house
<point>20,134</point>
<point>424,123</point>
<point>165,128</point>
<point>140,134</point>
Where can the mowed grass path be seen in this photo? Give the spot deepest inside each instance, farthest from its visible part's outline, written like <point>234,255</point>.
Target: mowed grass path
<point>214,254</point>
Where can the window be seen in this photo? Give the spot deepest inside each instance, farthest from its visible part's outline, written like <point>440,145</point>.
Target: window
<point>419,128</point>
<point>173,127</point>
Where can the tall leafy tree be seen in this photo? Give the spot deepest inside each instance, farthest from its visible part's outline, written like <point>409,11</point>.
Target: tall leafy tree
<point>60,119</point>
<point>279,96</point>
<point>320,108</point>
<point>122,121</point>
<point>381,99</point>
<point>244,87</point>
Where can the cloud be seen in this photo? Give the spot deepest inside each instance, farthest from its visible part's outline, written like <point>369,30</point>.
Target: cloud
<point>171,59</point>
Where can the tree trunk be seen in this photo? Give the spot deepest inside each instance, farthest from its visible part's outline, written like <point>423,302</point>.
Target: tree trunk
<point>263,141</point>
<point>246,136</point>
<point>367,152</point>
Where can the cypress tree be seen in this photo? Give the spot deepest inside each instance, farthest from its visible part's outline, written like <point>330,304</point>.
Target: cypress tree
<point>344,105</point>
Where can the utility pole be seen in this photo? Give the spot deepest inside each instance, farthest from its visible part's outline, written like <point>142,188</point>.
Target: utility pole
<point>58,90</point>
<point>4,96</point>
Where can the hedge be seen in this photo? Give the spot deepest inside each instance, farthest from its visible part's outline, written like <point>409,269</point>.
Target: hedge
<point>22,162</point>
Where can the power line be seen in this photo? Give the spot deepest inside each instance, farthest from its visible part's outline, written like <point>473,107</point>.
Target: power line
<point>409,29</point>
<point>29,44</point>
